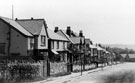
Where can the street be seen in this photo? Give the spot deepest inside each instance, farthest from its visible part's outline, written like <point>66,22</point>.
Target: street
<point>120,73</point>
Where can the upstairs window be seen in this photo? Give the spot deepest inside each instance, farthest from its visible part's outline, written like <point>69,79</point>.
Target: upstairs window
<point>31,43</point>
<point>57,44</point>
<point>43,40</point>
<point>2,48</point>
<point>52,44</point>
<point>63,45</point>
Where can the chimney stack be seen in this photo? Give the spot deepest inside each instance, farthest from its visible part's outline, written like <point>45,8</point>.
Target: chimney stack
<point>68,31</point>
<point>31,18</point>
<point>16,18</point>
<point>81,33</point>
<point>56,29</point>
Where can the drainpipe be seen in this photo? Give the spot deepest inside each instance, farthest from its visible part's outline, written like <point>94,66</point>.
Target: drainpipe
<point>9,41</point>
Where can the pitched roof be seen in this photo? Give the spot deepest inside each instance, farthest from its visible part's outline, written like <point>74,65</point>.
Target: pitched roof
<point>63,34</point>
<point>99,48</point>
<point>76,40</point>
<point>16,26</point>
<point>34,26</point>
<point>73,34</point>
<point>93,46</point>
<point>55,36</point>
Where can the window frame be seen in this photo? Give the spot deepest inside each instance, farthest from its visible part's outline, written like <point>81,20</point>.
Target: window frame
<point>31,43</point>
<point>43,40</point>
<point>52,43</point>
<point>64,43</point>
<point>58,45</point>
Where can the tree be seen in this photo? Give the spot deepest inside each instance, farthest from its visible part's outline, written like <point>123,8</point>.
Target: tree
<point>127,57</point>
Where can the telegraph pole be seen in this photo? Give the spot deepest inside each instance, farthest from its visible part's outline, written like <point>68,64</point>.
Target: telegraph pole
<point>12,12</point>
<point>9,34</point>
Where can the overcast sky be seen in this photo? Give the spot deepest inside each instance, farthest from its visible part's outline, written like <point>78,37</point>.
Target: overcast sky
<point>103,21</point>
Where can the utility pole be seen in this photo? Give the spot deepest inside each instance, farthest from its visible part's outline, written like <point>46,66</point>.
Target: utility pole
<point>12,12</point>
<point>81,63</point>
<point>9,41</point>
<point>9,34</point>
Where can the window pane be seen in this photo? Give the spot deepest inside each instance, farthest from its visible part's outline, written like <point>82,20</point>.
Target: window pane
<point>43,40</point>
<point>64,45</point>
<point>57,44</point>
<point>52,44</point>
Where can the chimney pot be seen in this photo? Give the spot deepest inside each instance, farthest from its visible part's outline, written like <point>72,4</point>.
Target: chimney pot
<point>81,33</point>
<point>68,31</point>
<point>16,18</point>
<point>56,29</point>
<point>31,18</point>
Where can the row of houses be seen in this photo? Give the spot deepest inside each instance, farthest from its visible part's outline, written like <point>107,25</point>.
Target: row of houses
<point>32,39</point>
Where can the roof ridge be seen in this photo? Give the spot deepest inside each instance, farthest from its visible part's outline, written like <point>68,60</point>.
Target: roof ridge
<point>30,19</point>
<point>66,35</point>
<point>15,24</point>
<point>6,18</point>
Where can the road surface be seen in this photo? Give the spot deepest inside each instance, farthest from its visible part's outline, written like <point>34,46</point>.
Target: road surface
<point>120,73</point>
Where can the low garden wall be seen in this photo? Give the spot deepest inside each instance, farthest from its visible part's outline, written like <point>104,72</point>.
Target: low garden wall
<point>58,67</point>
<point>19,71</point>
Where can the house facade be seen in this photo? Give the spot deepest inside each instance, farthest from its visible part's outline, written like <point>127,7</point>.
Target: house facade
<point>70,45</point>
<point>24,39</point>
<point>39,43</point>
<point>57,46</point>
<point>88,51</point>
<point>94,54</point>
<point>14,39</point>
<point>58,53</point>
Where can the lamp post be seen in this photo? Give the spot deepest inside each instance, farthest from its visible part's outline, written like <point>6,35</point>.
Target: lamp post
<point>81,53</point>
<point>81,59</point>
